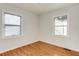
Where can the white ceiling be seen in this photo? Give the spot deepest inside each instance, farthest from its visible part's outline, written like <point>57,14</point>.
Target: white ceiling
<point>39,8</point>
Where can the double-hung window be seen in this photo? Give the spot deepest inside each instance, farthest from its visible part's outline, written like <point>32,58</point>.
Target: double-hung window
<point>61,25</point>
<point>12,25</point>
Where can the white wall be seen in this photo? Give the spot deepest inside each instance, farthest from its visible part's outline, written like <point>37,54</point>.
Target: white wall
<point>33,25</point>
<point>30,28</point>
<point>47,28</point>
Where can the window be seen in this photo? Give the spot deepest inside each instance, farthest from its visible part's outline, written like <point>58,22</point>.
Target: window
<point>61,25</point>
<point>12,25</point>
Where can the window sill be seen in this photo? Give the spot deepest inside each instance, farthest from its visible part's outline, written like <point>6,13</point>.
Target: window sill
<point>60,36</point>
<point>12,37</point>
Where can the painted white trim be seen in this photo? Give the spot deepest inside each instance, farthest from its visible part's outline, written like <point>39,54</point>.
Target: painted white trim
<point>17,47</point>
<point>11,37</point>
<point>53,24</point>
<point>59,45</point>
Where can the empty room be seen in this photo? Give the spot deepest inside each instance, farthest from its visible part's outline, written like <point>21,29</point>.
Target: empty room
<point>39,29</point>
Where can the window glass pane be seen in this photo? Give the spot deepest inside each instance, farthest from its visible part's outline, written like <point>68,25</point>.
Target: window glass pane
<point>12,19</point>
<point>65,30</point>
<point>61,20</point>
<point>65,22</point>
<point>58,22</point>
<point>12,30</point>
<point>61,25</point>
<point>58,30</point>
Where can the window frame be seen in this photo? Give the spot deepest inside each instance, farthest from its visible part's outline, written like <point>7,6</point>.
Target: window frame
<point>60,25</point>
<point>12,36</point>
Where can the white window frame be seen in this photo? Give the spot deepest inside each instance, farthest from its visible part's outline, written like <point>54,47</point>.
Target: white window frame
<point>3,28</point>
<point>53,21</point>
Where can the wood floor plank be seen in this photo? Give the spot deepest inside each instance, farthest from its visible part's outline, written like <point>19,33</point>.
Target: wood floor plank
<point>40,49</point>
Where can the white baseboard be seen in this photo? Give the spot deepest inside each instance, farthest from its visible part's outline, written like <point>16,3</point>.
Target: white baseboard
<point>60,45</point>
<point>16,47</point>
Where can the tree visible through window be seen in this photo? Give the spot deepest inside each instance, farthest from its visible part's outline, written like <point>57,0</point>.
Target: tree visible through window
<point>12,25</point>
<point>61,25</point>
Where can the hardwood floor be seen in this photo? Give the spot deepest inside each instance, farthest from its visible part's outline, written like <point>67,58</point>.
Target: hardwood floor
<point>40,49</point>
